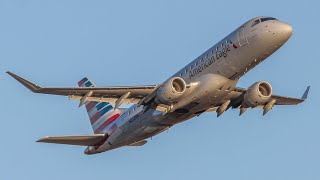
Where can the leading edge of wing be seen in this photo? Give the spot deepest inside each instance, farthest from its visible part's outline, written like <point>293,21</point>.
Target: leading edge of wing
<point>38,89</point>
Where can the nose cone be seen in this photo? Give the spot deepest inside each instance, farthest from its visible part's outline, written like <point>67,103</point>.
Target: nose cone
<point>286,30</point>
<point>283,31</point>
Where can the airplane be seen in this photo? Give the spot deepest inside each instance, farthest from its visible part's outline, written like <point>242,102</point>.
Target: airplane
<point>207,84</point>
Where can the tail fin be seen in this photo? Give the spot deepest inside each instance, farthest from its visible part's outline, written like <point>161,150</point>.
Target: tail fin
<point>101,114</point>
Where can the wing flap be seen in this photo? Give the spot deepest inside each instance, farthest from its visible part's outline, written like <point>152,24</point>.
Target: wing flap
<point>105,99</point>
<point>83,140</point>
<point>139,143</point>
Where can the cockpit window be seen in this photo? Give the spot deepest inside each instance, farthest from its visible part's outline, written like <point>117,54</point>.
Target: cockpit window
<point>255,22</point>
<point>260,20</point>
<point>267,19</point>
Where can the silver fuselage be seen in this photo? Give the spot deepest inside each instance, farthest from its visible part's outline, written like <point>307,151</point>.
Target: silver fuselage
<point>213,74</point>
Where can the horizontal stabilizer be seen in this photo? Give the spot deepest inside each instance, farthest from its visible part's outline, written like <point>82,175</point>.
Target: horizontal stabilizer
<point>139,143</point>
<point>84,140</point>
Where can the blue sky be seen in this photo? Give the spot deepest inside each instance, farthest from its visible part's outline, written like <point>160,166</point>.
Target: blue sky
<point>56,43</point>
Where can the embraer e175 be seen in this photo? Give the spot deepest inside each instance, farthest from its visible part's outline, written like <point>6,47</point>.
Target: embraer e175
<point>206,84</point>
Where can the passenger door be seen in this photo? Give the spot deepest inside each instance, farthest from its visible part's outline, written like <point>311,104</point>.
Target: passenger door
<point>241,36</point>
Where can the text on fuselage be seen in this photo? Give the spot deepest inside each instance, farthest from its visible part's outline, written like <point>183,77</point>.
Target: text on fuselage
<point>221,51</point>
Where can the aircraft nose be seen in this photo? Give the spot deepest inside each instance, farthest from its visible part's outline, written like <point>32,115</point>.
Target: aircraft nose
<point>285,31</point>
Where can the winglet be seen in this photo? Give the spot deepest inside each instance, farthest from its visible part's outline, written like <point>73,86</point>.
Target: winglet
<point>305,94</point>
<point>31,86</point>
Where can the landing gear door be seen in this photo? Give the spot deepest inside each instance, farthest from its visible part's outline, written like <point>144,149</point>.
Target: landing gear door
<point>241,36</point>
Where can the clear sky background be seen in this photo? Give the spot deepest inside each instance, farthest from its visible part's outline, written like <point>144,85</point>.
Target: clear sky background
<point>56,43</point>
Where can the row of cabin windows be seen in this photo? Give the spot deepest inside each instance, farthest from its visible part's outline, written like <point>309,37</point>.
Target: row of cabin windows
<point>201,60</point>
<point>196,64</point>
<point>133,109</point>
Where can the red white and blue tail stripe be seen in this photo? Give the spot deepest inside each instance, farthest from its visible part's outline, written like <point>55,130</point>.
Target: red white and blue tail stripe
<point>102,114</point>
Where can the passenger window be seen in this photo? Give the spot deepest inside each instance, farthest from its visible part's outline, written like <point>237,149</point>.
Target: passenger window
<point>186,70</point>
<point>201,60</point>
<point>207,56</point>
<point>255,22</point>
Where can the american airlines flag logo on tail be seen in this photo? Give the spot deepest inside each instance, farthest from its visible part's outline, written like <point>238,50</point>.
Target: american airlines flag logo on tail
<point>101,114</point>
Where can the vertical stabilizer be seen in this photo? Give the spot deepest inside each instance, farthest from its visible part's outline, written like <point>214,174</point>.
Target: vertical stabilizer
<point>102,114</point>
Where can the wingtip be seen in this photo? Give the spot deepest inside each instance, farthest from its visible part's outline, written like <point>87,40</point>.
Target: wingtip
<point>305,94</point>
<point>44,139</point>
<point>12,74</point>
<point>31,86</point>
<point>40,140</point>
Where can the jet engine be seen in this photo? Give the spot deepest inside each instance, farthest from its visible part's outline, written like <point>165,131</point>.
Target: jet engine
<point>170,92</point>
<point>258,93</point>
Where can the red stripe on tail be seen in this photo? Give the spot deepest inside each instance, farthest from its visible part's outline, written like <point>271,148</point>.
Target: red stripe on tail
<point>106,123</point>
<point>90,105</point>
<point>80,83</point>
<point>95,117</point>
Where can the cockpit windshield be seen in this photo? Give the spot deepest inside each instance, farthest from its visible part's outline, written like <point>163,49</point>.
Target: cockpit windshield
<point>255,22</point>
<point>267,19</point>
<point>260,20</point>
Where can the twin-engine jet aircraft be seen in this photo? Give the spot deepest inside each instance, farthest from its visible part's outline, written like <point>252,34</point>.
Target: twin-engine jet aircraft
<point>206,84</point>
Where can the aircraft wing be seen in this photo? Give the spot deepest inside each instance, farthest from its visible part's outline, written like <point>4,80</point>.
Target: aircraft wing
<point>84,140</point>
<point>237,95</point>
<point>280,100</point>
<point>142,94</point>
<point>101,94</point>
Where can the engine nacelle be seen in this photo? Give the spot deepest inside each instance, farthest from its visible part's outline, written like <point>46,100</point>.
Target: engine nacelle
<point>258,93</point>
<point>170,92</point>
